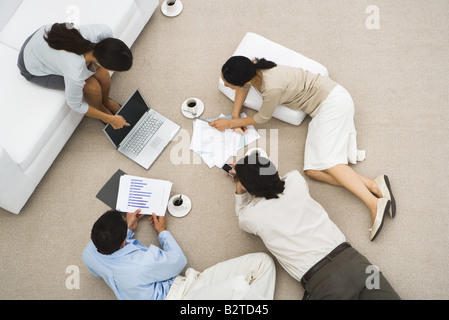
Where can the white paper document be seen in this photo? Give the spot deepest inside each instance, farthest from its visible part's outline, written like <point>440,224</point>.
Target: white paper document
<point>149,195</point>
<point>216,147</point>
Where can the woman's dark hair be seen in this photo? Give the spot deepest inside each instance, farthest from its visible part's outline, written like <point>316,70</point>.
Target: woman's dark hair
<point>109,232</point>
<point>113,54</point>
<point>259,177</point>
<point>238,70</point>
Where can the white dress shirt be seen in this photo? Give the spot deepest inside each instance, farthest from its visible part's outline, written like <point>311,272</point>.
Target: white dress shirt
<point>295,228</point>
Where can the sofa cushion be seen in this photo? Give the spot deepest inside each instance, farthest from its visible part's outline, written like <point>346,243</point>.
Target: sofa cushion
<point>7,11</point>
<point>115,13</point>
<point>29,114</point>
<point>255,46</point>
<point>147,7</point>
<point>137,22</point>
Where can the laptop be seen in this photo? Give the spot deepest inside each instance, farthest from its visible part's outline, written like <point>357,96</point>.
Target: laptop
<point>147,136</point>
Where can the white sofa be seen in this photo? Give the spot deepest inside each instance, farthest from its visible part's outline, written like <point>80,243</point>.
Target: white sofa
<point>255,46</point>
<point>35,123</point>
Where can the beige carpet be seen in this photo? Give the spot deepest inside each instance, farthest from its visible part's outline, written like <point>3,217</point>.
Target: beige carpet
<point>398,76</point>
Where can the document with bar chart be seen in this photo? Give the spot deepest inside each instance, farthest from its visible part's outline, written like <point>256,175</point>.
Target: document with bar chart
<point>148,195</point>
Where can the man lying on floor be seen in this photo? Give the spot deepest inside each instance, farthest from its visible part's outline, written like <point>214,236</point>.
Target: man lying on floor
<point>136,272</point>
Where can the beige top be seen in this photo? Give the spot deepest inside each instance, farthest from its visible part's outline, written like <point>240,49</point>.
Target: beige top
<point>293,88</point>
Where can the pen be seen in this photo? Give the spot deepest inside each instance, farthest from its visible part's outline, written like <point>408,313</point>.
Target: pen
<point>202,119</point>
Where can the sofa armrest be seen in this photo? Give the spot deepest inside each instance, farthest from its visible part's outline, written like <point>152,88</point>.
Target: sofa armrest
<point>13,183</point>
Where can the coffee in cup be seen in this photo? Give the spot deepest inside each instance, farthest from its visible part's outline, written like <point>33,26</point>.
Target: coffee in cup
<point>192,106</point>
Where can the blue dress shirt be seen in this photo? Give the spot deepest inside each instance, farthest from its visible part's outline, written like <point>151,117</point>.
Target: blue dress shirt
<point>137,272</point>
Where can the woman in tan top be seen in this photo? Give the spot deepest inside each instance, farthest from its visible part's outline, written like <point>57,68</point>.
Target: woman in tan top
<point>331,140</point>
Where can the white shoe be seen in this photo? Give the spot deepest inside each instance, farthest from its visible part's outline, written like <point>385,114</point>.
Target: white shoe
<point>384,185</point>
<point>383,205</point>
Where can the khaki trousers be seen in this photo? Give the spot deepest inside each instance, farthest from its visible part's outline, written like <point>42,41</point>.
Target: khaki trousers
<point>249,277</point>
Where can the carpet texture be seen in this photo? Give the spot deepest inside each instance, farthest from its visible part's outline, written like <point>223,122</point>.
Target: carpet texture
<point>398,76</point>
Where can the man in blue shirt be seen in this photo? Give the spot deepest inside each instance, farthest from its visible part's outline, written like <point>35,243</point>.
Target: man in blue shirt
<point>136,272</point>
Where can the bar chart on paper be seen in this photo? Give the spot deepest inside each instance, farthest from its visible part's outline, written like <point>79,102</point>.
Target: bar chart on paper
<point>148,195</point>
<point>139,194</point>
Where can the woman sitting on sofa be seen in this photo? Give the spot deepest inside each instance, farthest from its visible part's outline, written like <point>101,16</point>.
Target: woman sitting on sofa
<point>331,140</point>
<point>60,56</point>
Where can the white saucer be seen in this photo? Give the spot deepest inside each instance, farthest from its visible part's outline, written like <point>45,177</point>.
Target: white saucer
<point>199,109</point>
<point>181,210</point>
<point>171,12</point>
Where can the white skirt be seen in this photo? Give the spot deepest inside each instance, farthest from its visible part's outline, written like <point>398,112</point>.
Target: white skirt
<point>332,138</point>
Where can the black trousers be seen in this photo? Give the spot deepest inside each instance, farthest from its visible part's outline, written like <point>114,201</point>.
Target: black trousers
<point>349,276</point>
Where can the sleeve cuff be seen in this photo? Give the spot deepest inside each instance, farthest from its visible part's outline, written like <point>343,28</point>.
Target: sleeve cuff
<point>241,200</point>
<point>259,119</point>
<point>163,235</point>
<point>81,109</point>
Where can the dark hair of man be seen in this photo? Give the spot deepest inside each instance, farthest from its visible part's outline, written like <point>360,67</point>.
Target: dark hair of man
<point>113,54</point>
<point>239,70</point>
<point>109,232</point>
<point>259,177</point>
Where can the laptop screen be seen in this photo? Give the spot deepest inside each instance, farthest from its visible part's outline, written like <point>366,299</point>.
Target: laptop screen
<point>132,111</point>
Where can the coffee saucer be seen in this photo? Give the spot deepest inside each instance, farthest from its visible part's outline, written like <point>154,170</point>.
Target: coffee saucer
<point>199,108</point>
<point>183,209</point>
<point>171,10</point>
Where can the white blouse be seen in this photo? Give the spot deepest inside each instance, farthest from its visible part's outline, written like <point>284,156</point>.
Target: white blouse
<point>295,228</point>
<point>41,60</point>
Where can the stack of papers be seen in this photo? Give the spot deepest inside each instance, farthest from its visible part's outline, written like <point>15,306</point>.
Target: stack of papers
<point>215,147</point>
<point>148,195</point>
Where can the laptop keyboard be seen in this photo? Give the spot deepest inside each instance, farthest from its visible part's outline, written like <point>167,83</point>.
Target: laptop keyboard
<point>146,130</point>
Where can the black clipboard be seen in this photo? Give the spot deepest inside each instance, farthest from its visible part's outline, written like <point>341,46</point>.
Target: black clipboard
<point>108,194</point>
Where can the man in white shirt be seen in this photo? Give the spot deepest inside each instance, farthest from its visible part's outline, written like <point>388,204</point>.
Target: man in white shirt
<point>298,232</point>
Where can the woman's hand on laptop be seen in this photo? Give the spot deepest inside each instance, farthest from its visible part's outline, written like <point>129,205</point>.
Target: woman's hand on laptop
<point>118,122</point>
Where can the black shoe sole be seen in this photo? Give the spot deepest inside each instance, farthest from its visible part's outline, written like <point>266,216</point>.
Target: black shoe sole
<point>393,202</point>
<point>387,207</point>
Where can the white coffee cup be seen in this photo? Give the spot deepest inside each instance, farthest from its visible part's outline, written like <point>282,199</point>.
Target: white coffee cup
<point>171,5</point>
<point>191,106</point>
<point>179,205</point>
<point>171,8</point>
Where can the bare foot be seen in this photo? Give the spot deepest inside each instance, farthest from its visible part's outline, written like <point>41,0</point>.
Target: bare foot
<point>112,106</point>
<point>374,188</point>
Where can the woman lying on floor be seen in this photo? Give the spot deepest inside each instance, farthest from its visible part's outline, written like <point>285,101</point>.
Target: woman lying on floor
<point>60,56</point>
<point>331,140</point>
